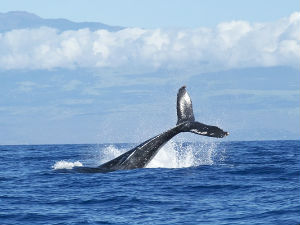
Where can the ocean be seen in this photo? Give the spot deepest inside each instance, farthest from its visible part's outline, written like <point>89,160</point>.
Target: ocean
<point>246,182</point>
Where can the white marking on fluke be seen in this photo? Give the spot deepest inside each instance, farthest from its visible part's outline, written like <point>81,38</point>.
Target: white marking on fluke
<point>198,132</point>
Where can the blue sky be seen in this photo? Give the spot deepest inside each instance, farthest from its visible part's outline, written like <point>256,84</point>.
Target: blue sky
<point>240,62</point>
<point>157,13</point>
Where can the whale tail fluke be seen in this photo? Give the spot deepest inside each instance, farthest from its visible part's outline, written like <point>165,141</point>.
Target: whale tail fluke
<point>186,119</point>
<point>184,107</point>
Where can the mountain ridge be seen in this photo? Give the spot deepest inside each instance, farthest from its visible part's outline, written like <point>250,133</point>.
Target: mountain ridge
<point>21,20</point>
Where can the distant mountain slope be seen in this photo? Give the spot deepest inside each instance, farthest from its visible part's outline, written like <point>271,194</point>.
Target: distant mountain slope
<point>20,20</point>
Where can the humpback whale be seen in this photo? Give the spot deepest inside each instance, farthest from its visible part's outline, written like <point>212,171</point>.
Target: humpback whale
<point>141,155</point>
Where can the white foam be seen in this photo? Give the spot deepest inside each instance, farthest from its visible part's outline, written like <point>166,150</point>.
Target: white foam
<point>66,165</point>
<point>176,155</point>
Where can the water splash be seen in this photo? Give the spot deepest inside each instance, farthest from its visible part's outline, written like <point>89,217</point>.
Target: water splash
<point>110,152</point>
<point>181,154</point>
<point>173,155</point>
<point>66,165</point>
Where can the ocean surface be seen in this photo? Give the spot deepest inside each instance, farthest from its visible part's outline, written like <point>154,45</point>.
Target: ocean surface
<point>255,182</point>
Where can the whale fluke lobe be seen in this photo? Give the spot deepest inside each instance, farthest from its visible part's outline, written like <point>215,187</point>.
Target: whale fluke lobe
<point>141,155</point>
<point>184,106</point>
<point>206,130</point>
<point>185,116</point>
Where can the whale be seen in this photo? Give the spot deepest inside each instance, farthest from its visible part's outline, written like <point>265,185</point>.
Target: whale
<point>141,155</point>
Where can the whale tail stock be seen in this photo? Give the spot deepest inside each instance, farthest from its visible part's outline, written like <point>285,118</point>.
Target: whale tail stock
<point>186,119</point>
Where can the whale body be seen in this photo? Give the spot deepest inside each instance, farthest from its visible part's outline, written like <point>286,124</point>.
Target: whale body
<point>142,154</point>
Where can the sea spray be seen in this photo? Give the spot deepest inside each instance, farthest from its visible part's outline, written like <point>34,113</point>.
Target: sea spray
<point>175,154</point>
<point>172,155</point>
<point>183,154</point>
<point>110,152</point>
<point>66,165</point>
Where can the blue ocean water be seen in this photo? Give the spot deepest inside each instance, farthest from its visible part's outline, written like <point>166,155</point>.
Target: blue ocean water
<point>254,182</point>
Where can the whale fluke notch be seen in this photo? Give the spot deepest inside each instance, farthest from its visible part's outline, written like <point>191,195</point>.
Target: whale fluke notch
<point>184,107</point>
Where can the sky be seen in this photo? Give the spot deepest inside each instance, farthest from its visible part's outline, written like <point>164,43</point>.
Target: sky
<point>157,13</point>
<point>240,63</point>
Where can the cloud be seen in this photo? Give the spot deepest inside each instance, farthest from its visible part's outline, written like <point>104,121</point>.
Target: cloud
<point>229,45</point>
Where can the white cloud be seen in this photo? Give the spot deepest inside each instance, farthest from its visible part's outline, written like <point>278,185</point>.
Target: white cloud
<point>230,45</point>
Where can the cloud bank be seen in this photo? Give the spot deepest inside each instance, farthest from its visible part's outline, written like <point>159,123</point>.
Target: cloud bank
<point>229,45</point>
